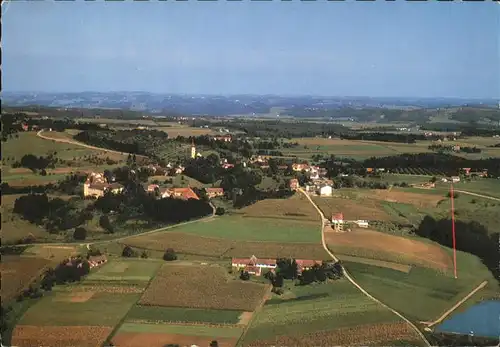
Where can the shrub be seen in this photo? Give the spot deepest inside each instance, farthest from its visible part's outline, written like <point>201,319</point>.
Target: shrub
<point>219,211</point>
<point>144,254</point>
<point>244,275</point>
<point>128,252</point>
<point>80,234</point>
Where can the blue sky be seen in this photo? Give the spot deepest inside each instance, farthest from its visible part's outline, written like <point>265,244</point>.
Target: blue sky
<point>425,49</point>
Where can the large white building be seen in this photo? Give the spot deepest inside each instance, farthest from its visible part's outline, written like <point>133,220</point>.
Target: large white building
<point>326,191</point>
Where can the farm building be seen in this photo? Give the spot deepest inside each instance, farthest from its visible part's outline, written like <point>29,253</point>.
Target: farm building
<point>214,192</point>
<point>253,265</point>
<point>294,184</point>
<point>326,190</point>
<point>455,179</point>
<point>97,260</point>
<point>179,193</point>
<point>338,221</point>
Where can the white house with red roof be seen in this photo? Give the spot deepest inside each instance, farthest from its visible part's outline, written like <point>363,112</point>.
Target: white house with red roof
<point>338,221</point>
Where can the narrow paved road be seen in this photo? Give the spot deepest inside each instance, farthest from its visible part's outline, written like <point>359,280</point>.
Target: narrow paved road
<point>73,142</point>
<point>348,276</point>
<point>447,313</point>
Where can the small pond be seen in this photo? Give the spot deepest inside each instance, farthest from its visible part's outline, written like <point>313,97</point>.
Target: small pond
<point>482,320</point>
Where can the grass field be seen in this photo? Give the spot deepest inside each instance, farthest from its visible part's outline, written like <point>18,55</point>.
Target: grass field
<point>196,245</point>
<point>489,187</point>
<point>72,309</point>
<point>313,308</point>
<point>201,287</point>
<point>157,314</point>
<point>125,271</point>
<point>252,229</point>
<point>159,335</point>
<point>422,294</point>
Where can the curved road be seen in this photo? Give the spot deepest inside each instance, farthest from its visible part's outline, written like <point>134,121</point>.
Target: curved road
<point>348,276</point>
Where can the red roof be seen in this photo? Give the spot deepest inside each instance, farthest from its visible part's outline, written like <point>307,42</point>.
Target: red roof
<point>186,193</point>
<point>214,190</point>
<point>338,216</point>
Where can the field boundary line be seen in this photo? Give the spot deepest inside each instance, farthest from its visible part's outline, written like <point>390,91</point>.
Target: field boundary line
<point>254,314</point>
<point>348,276</point>
<point>454,307</point>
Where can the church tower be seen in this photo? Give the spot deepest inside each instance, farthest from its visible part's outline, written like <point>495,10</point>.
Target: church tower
<point>193,150</point>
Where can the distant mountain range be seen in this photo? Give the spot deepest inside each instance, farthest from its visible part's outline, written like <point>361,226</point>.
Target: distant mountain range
<point>234,105</point>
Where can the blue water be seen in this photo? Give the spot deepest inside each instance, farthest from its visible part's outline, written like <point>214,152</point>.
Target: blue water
<point>482,319</point>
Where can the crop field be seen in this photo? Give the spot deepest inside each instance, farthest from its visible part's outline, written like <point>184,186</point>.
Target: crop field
<point>202,287</point>
<point>320,307</point>
<point>380,246</point>
<point>423,294</point>
<point>295,208</point>
<point>156,314</point>
<point>351,208</point>
<point>17,272</point>
<point>59,336</point>
<point>217,247</point>
<point>366,335</point>
<point>79,309</point>
<point>159,335</point>
<point>239,228</point>
<point>125,271</point>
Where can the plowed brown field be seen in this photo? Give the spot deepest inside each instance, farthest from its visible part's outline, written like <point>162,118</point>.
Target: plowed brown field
<point>373,334</point>
<point>377,245</point>
<point>216,247</point>
<point>297,207</point>
<point>201,287</point>
<point>160,340</point>
<point>60,336</point>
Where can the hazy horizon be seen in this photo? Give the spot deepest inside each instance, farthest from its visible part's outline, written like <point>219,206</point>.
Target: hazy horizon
<point>348,49</point>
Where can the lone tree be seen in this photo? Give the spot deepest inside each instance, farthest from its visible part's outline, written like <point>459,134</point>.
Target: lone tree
<point>80,234</point>
<point>214,343</point>
<point>169,255</point>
